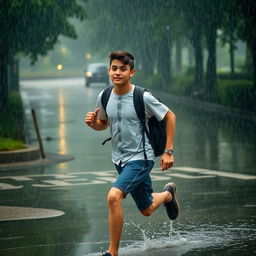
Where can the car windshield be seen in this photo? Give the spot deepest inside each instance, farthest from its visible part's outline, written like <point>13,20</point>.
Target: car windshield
<point>97,68</point>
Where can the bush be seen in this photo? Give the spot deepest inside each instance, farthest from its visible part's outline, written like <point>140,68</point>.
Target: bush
<point>236,94</point>
<point>236,76</point>
<point>154,82</point>
<point>7,144</point>
<point>182,85</point>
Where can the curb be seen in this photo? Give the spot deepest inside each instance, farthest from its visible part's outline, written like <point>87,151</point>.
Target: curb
<point>28,154</point>
<point>51,158</point>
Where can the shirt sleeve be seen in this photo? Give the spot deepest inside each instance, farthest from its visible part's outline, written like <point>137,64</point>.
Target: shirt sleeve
<point>102,114</point>
<point>153,107</point>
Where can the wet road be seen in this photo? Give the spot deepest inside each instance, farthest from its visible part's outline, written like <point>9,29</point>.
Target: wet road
<point>214,171</point>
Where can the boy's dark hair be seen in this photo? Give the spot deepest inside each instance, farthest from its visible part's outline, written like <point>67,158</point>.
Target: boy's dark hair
<point>124,57</point>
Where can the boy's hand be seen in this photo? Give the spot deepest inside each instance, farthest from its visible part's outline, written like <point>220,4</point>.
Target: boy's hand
<point>91,118</point>
<point>166,161</point>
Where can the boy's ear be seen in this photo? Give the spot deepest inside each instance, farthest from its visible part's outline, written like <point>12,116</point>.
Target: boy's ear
<point>132,73</point>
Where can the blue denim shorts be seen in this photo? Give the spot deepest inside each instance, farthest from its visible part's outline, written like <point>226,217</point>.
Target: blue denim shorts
<point>134,179</point>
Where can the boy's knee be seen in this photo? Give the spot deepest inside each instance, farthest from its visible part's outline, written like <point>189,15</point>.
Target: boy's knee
<point>115,196</point>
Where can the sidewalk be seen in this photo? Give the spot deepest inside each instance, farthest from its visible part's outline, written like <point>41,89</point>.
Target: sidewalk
<point>51,158</point>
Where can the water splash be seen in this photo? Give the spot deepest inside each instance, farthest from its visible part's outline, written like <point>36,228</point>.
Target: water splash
<point>172,232</point>
<point>174,239</point>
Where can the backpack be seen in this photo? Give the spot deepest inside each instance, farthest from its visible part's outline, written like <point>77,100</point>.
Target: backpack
<point>157,129</point>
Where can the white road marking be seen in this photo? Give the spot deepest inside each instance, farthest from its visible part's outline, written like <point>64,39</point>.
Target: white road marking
<point>5,186</point>
<point>210,193</point>
<point>106,179</point>
<point>102,177</point>
<point>217,173</point>
<point>184,176</point>
<point>157,177</point>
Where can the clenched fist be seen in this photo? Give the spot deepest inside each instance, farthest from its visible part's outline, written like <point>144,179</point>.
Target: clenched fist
<point>91,118</point>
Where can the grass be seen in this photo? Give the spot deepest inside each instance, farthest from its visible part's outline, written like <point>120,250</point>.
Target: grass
<point>8,144</point>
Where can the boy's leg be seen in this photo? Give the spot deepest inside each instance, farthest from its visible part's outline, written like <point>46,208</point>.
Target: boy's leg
<point>158,199</point>
<point>116,219</point>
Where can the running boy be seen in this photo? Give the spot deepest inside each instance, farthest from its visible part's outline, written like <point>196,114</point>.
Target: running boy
<point>127,148</point>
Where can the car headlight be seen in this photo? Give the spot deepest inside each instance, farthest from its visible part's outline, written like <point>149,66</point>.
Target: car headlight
<point>88,74</point>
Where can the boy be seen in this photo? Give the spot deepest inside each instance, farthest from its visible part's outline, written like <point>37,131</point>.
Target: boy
<point>127,148</point>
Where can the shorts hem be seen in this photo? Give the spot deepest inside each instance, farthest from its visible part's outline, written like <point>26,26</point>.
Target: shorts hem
<point>121,189</point>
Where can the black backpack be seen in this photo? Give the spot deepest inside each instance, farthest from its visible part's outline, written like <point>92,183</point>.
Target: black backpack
<point>157,129</point>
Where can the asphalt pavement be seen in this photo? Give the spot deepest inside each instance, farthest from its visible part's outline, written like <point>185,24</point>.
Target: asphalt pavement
<point>61,209</point>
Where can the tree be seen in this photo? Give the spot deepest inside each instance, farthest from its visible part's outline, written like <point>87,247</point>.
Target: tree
<point>229,32</point>
<point>32,28</point>
<point>246,11</point>
<point>139,26</point>
<point>212,17</point>
<point>191,12</point>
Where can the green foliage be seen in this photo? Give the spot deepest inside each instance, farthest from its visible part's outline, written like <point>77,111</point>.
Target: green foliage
<point>182,85</point>
<point>11,118</point>
<point>33,27</point>
<point>8,144</point>
<point>154,82</point>
<point>236,94</point>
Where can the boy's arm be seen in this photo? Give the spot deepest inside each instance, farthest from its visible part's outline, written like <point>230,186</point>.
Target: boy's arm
<point>91,119</point>
<point>167,160</point>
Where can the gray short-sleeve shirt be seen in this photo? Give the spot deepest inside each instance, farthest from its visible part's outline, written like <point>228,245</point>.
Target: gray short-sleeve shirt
<point>125,126</point>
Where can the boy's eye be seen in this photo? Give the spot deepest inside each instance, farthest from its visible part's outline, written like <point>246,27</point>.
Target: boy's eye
<point>123,69</point>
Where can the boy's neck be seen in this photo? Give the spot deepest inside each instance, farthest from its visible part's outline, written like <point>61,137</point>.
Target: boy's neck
<point>122,89</point>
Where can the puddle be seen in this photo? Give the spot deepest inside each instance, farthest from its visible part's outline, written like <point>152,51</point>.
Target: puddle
<point>177,241</point>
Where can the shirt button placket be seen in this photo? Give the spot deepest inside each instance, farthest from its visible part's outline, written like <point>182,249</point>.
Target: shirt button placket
<point>119,108</point>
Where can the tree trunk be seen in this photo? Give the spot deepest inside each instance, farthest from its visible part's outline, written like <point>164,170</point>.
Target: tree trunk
<point>14,73</point>
<point>211,62</point>
<point>178,56</point>
<point>253,49</point>
<point>198,64</point>
<point>190,55</point>
<point>4,92</point>
<point>147,62</point>
<point>196,41</point>
<point>232,56</point>
<point>164,61</point>
<point>248,61</point>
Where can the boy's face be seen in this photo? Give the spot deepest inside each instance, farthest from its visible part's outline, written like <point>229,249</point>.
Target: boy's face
<point>120,73</point>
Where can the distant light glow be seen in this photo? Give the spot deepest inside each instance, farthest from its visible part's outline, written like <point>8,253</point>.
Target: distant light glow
<point>88,56</point>
<point>64,50</point>
<point>59,67</point>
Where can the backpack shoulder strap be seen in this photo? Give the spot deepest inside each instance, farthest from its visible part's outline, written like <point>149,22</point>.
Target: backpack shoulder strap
<point>139,102</point>
<point>104,101</point>
<point>139,106</point>
<point>105,97</point>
